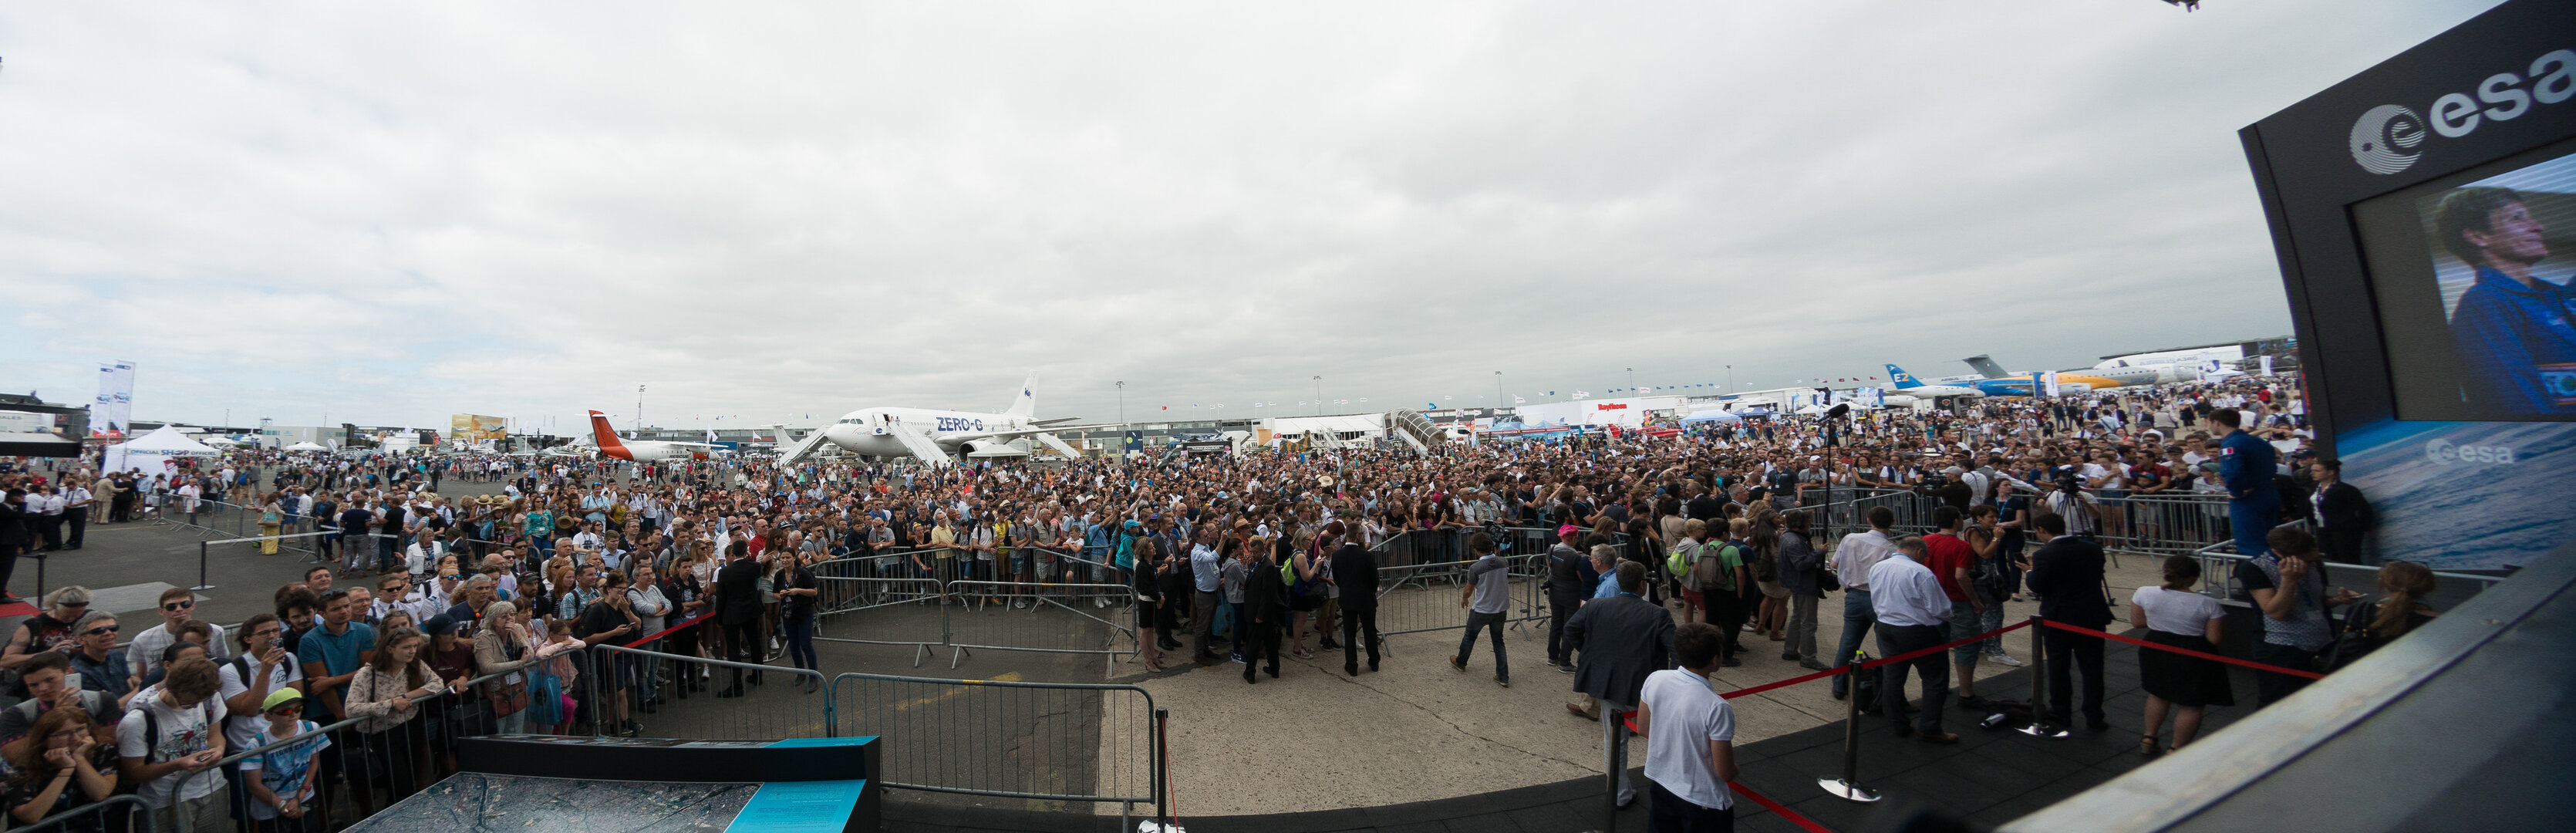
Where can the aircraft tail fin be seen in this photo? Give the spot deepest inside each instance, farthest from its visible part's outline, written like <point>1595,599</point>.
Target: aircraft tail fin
<point>1026,404</point>
<point>600,433</point>
<point>1986,367</point>
<point>1902,379</point>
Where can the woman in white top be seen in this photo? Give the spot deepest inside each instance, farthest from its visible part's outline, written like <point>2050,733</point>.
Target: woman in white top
<point>2174,615</point>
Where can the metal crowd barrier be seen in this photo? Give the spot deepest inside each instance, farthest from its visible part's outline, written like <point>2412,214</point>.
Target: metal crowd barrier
<point>774,701</point>
<point>1056,742</point>
<point>2219,561</point>
<point>115,812</point>
<point>367,771</point>
<point>1032,616</point>
<point>921,628</point>
<point>2172,523</point>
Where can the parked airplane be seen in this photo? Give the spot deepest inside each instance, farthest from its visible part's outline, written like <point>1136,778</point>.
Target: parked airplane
<point>1908,385</point>
<point>2096,379</point>
<point>2189,356</point>
<point>936,436</point>
<point>641,451</point>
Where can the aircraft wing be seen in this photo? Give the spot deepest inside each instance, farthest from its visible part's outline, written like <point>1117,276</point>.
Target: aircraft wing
<point>1050,441</point>
<point>1026,431</point>
<point>919,444</point>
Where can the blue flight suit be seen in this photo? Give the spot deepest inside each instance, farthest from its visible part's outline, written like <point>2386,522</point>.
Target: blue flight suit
<point>2246,464</point>
<point>2519,343</point>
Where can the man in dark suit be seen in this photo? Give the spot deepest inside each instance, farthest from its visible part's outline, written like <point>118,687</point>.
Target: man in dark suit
<point>1565,592</point>
<point>1618,641</point>
<point>13,537</point>
<point>1355,572</point>
<point>737,609</point>
<point>2343,515</point>
<point>2066,572</point>
<point>1265,610</point>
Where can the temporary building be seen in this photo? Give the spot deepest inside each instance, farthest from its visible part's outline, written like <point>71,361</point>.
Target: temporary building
<point>153,452</point>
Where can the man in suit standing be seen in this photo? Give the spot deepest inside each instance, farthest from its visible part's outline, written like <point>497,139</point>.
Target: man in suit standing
<point>1565,592</point>
<point>738,610</point>
<point>1618,641</point>
<point>2343,515</point>
<point>1355,572</point>
<point>2066,572</point>
<point>1265,609</point>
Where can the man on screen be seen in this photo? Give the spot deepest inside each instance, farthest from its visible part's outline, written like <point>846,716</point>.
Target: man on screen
<point>2514,330</point>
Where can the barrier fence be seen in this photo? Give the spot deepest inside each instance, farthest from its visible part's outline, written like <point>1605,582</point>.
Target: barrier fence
<point>115,812</point>
<point>1070,742</point>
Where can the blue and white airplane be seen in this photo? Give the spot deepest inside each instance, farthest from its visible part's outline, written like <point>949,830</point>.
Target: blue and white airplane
<point>1905,384</point>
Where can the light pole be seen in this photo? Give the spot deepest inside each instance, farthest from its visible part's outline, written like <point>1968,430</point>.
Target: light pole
<point>1730,378</point>
<point>639,411</point>
<point>1122,403</point>
<point>1632,381</point>
<point>1319,396</point>
<point>1498,393</point>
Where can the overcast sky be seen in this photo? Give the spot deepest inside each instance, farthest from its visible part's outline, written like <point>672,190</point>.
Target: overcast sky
<point>395,213</point>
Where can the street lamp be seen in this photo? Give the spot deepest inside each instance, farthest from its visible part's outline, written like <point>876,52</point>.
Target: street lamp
<point>1632,381</point>
<point>1730,378</point>
<point>1319,396</point>
<point>639,410</point>
<point>1498,392</point>
<point>1122,402</point>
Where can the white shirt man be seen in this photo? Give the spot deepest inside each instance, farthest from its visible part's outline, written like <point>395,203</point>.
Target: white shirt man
<point>1688,730</point>
<point>1859,553</point>
<point>1905,594</point>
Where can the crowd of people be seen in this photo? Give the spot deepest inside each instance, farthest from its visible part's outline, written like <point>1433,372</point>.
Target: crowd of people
<point>1234,557</point>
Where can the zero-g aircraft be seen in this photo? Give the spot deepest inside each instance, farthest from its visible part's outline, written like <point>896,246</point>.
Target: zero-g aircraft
<point>937,437</point>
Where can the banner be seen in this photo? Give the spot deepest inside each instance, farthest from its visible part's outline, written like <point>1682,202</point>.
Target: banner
<point>113,412</point>
<point>2048,383</point>
<point>2267,365</point>
<point>475,428</point>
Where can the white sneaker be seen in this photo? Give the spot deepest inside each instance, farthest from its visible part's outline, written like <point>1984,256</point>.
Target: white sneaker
<point>2004,659</point>
<point>1101,601</point>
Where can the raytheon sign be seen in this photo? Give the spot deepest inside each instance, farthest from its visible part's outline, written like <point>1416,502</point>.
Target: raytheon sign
<point>2385,138</point>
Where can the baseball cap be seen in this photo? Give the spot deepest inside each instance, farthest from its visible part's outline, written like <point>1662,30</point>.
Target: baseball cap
<point>280,697</point>
<point>439,625</point>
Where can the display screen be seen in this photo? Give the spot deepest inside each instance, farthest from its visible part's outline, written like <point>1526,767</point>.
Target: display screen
<point>2470,275</point>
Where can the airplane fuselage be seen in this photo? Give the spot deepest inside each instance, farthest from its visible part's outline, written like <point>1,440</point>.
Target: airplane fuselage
<point>871,430</point>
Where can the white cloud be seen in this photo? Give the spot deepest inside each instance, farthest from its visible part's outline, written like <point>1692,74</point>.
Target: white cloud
<point>396,214</point>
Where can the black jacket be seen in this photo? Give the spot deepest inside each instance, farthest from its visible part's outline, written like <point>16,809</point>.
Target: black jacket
<point>2347,517</point>
<point>738,592</point>
<point>2067,575</point>
<point>1265,597</point>
<point>1355,572</point>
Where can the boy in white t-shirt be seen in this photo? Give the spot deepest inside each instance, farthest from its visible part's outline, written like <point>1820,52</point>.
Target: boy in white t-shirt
<point>167,740</point>
<point>1690,737</point>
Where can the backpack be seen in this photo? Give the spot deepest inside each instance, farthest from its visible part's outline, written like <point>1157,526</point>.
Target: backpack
<point>1678,564</point>
<point>1710,573</point>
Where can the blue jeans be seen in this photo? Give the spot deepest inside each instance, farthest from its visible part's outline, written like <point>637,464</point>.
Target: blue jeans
<point>800,642</point>
<point>1857,617</point>
<point>2252,520</point>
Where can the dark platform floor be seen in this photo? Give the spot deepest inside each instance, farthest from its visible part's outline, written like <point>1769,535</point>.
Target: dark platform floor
<point>1987,778</point>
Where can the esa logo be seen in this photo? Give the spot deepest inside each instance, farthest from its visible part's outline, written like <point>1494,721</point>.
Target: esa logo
<point>2443,453</point>
<point>960,424</point>
<point>2384,139</point>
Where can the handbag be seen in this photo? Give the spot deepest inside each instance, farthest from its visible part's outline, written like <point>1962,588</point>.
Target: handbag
<point>545,699</point>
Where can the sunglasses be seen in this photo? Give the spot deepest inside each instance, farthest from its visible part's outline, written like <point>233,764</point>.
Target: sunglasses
<point>100,630</point>
<point>178,605</point>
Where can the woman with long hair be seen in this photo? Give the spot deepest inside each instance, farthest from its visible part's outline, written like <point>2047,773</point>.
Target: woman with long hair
<point>61,767</point>
<point>1772,607</point>
<point>2401,610</point>
<point>2186,685</point>
<point>385,693</point>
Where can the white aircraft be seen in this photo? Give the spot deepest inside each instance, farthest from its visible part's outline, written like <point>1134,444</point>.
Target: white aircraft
<point>641,451</point>
<point>936,436</point>
<point>1904,384</point>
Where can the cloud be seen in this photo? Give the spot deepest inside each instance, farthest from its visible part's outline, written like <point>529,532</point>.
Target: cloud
<point>397,214</point>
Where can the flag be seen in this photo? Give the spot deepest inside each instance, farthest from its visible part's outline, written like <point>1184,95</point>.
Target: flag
<point>1167,407</point>
<point>1581,394</point>
<point>711,436</point>
<point>1551,393</point>
<point>1516,399</point>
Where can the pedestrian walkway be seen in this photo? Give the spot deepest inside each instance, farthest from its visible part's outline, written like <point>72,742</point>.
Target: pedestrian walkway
<point>1989,777</point>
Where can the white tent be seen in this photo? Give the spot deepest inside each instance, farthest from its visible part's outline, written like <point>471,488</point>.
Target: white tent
<point>152,452</point>
<point>306,446</point>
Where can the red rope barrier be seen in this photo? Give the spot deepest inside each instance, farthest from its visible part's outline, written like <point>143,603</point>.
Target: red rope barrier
<point>1778,809</point>
<point>2187,651</point>
<point>684,623</point>
<point>1946,645</point>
